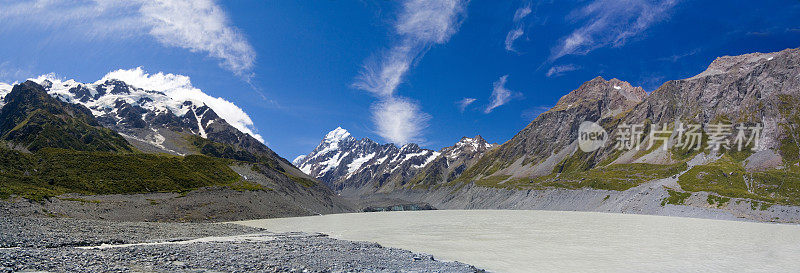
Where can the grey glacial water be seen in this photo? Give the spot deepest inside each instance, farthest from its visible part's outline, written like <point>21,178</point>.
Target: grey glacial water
<point>534,241</point>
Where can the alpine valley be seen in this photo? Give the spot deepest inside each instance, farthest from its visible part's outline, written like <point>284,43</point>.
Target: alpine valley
<point>114,150</point>
<point>542,166</point>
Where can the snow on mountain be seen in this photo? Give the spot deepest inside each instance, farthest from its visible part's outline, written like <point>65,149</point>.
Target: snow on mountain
<point>298,159</point>
<point>155,92</point>
<point>358,162</point>
<point>467,145</point>
<point>340,155</point>
<point>155,111</point>
<point>347,163</point>
<point>4,90</point>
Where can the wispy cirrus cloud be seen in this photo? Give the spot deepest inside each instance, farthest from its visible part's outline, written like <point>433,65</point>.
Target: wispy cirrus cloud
<point>200,26</point>
<point>518,30</point>
<point>463,103</point>
<point>420,25</point>
<point>399,119</point>
<point>11,73</point>
<point>610,23</point>
<point>500,94</point>
<point>512,36</point>
<point>522,12</point>
<point>559,70</point>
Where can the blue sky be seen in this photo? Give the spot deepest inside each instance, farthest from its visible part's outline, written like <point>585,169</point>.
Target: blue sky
<point>391,71</point>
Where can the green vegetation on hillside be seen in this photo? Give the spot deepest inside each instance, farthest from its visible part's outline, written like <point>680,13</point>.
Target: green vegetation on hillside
<point>227,151</point>
<point>790,146</point>
<point>35,120</point>
<point>44,130</point>
<point>262,162</point>
<point>50,172</point>
<point>727,177</point>
<point>676,197</point>
<point>618,177</point>
<point>717,201</point>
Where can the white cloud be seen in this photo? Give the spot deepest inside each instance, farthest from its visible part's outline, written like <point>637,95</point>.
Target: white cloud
<point>196,25</point>
<point>421,24</point>
<point>558,70</point>
<point>430,21</point>
<point>500,94</point>
<point>10,73</point>
<point>179,88</point>
<point>518,30</point>
<point>512,36</point>
<point>463,103</point>
<point>610,23</point>
<point>522,12</point>
<point>382,78</point>
<point>200,26</point>
<point>399,120</point>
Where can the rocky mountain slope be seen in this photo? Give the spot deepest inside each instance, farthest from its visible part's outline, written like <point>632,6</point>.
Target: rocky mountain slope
<point>454,160</point>
<point>756,93</point>
<point>150,120</point>
<point>356,167</point>
<point>741,110</point>
<point>753,89</point>
<point>54,144</point>
<point>33,120</point>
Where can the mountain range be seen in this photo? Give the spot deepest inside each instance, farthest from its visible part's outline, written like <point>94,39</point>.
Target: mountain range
<point>111,138</point>
<point>543,167</point>
<point>77,149</point>
<point>353,167</point>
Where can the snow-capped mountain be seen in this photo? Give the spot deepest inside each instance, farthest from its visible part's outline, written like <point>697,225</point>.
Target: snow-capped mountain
<point>4,90</point>
<point>340,156</point>
<point>453,162</point>
<point>152,121</point>
<point>351,165</point>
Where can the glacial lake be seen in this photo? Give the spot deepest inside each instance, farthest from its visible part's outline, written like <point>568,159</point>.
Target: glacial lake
<point>547,241</point>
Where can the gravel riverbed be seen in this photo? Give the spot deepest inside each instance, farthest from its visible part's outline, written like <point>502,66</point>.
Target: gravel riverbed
<point>67,245</point>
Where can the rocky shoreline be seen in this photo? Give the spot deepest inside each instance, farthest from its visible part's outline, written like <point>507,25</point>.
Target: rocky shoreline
<point>647,199</point>
<point>71,245</point>
<point>210,204</point>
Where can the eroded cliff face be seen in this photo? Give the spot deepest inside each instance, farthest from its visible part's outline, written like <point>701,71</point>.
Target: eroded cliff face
<point>551,136</point>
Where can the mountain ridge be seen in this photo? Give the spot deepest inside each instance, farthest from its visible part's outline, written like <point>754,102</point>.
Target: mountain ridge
<point>35,120</point>
<point>352,165</point>
<point>757,92</point>
<point>51,139</point>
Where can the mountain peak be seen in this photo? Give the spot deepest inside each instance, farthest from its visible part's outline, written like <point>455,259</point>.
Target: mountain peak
<point>476,138</point>
<point>32,118</point>
<point>614,93</point>
<point>410,147</point>
<point>733,64</point>
<point>337,135</point>
<point>299,160</point>
<point>472,144</point>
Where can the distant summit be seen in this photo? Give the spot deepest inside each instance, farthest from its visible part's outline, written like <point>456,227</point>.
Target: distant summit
<point>352,165</point>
